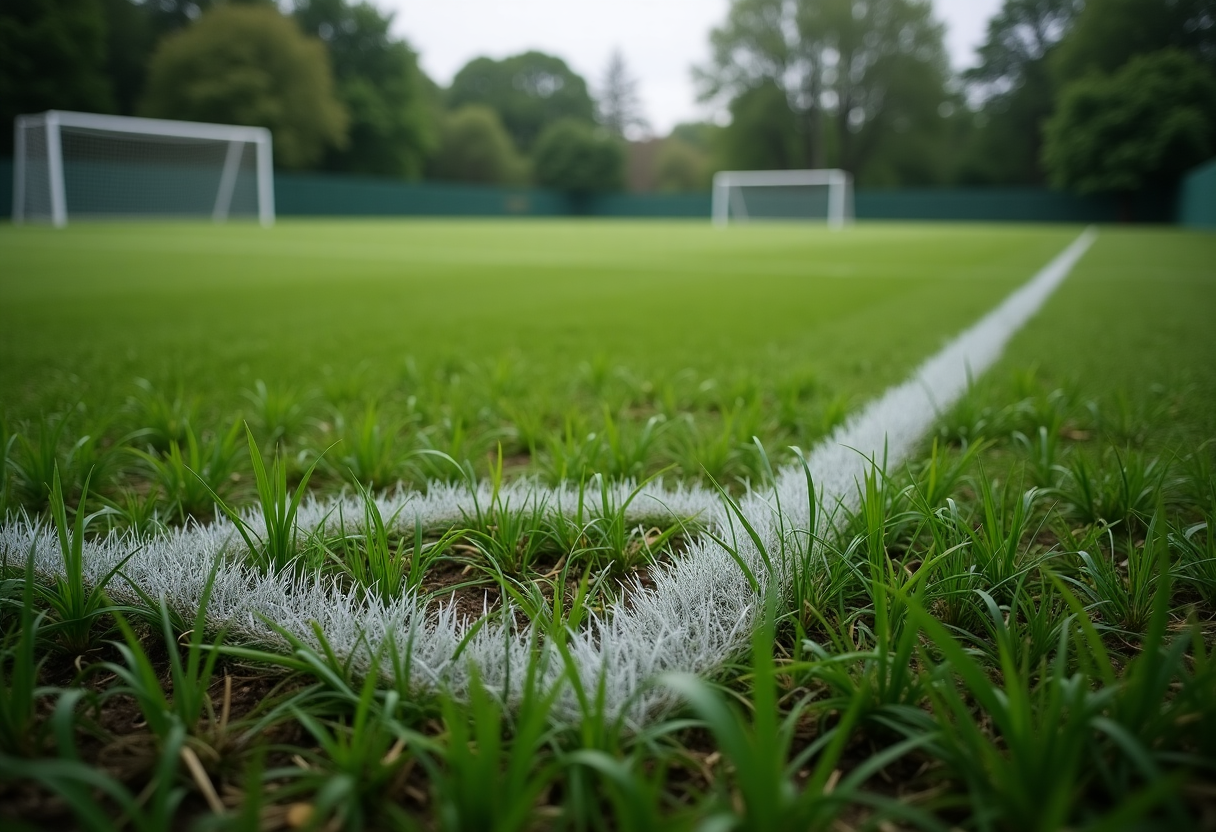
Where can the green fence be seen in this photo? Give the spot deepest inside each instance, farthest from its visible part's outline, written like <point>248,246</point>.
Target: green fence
<point>336,195</point>
<point>649,205</point>
<point>317,194</point>
<point>332,195</point>
<point>320,194</point>
<point>1197,198</point>
<point>984,204</point>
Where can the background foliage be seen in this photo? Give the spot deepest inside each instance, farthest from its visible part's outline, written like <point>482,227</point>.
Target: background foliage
<point>859,84</point>
<point>475,147</point>
<point>250,66</point>
<point>575,156</point>
<point>391,130</point>
<point>1140,127</point>
<point>529,91</point>
<point>51,51</point>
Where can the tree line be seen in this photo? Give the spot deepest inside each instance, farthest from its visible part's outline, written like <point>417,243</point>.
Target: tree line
<point>1091,95</point>
<point>1095,96</point>
<point>338,90</point>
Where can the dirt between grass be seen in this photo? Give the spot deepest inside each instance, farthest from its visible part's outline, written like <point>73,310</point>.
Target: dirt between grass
<point>466,586</point>
<point>112,737</point>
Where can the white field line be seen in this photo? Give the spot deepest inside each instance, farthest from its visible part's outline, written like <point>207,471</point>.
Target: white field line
<point>699,613</point>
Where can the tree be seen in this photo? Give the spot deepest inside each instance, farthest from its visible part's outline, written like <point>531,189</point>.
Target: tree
<point>1140,128</point>
<point>681,167</point>
<point>52,56</point>
<point>1015,83</point>
<point>574,156</point>
<point>129,43</point>
<point>1109,32</point>
<point>763,134</point>
<point>703,135</point>
<point>868,70</point>
<point>476,148</point>
<point>620,107</point>
<point>1020,37</point>
<point>378,80</point>
<point>250,65</point>
<point>529,92</point>
<point>133,29</point>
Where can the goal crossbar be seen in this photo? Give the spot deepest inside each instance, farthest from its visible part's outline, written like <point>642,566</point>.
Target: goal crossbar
<point>839,184</point>
<point>54,121</point>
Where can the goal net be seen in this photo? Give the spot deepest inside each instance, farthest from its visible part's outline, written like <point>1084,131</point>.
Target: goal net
<point>800,195</point>
<point>84,165</point>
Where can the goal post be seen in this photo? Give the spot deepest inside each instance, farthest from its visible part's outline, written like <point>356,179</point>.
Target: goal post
<point>751,195</point>
<point>68,165</point>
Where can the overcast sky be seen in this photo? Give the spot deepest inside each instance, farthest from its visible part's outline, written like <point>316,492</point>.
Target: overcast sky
<point>660,39</point>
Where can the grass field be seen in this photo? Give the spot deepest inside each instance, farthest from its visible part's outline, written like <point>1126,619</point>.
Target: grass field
<point>474,333</point>
<point>87,311</point>
<point>1012,630</point>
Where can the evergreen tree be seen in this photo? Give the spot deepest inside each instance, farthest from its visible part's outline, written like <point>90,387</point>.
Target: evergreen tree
<point>620,106</point>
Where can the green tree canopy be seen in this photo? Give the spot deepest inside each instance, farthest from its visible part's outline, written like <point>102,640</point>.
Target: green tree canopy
<point>1141,127</point>
<point>474,147</point>
<point>1017,87</point>
<point>575,156</point>
<point>529,92</point>
<point>133,28</point>
<point>681,167</point>
<point>1109,32</point>
<point>52,56</point>
<point>1020,36</point>
<point>378,80</point>
<point>764,133</point>
<point>871,71</point>
<point>250,65</point>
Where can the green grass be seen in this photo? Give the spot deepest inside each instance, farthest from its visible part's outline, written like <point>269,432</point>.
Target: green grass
<point>342,306</point>
<point>1014,632</point>
<point>581,347</point>
<point>1132,330</point>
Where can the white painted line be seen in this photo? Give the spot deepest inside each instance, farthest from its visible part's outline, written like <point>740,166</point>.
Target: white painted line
<point>699,613</point>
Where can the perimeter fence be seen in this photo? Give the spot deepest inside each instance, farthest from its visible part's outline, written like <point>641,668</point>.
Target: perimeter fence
<point>1197,198</point>
<point>338,195</point>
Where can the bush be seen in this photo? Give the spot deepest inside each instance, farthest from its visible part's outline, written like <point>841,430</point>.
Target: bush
<point>574,156</point>
<point>681,167</point>
<point>475,147</point>
<point>250,65</point>
<point>763,133</point>
<point>1142,127</point>
<point>529,92</point>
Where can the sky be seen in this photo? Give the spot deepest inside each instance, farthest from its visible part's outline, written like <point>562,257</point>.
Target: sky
<point>660,39</point>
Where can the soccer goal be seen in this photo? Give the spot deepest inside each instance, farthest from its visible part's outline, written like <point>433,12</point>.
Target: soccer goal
<point>84,165</point>
<point>751,195</point>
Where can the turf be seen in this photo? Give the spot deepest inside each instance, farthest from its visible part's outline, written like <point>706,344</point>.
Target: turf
<point>1132,329</point>
<point>309,304</point>
<point>955,662</point>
